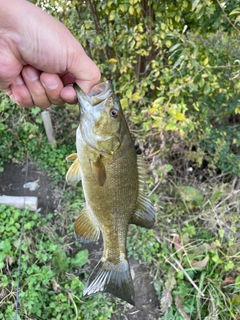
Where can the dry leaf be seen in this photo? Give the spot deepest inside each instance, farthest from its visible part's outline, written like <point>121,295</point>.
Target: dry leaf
<point>229,280</point>
<point>201,263</point>
<point>10,260</point>
<point>55,286</point>
<point>179,306</point>
<point>165,302</point>
<point>177,245</point>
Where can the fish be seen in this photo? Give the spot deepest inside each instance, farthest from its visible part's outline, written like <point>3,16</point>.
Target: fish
<point>113,178</point>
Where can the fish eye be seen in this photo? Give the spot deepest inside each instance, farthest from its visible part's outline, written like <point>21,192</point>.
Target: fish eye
<point>114,113</point>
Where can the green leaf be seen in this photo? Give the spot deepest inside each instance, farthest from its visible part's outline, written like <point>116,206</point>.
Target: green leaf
<point>190,194</point>
<point>173,48</point>
<point>124,103</point>
<point>80,258</point>
<point>171,126</point>
<point>235,11</point>
<point>35,110</point>
<point>179,60</point>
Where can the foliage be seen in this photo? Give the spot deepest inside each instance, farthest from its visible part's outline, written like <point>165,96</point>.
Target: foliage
<point>23,133</point>
<point>51,280</point>
<point>175,66</point>
<point>195,264</point>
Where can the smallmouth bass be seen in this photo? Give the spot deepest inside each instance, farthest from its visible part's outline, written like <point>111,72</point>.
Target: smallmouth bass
<point>113,180</point>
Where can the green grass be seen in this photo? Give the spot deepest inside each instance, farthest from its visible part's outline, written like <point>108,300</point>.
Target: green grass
<point>194,252</point>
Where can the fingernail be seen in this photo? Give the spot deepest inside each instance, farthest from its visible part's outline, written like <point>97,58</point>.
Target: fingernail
<point>19,81</point>
<point>50,83</point>
<point>31,74</point>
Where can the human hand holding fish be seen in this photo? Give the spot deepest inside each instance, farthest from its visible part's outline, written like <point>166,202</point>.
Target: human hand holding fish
<point>113,183</point>
<point>40,58</point>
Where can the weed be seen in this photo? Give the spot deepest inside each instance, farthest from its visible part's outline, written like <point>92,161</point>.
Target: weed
<point>49,286</point>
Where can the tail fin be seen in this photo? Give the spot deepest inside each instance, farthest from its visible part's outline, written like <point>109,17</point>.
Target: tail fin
<point>115,279</point>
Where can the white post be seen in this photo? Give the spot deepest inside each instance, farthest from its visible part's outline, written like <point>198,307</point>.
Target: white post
<point>29,203</point>
<point>48,126</point>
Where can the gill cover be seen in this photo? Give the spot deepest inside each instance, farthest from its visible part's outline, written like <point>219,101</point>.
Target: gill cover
<point>100,118</point>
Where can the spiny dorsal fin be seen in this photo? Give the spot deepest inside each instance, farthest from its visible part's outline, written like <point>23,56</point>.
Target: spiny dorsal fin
<point>144,216</point>
<point>72,157</point>
<point>115,279</point>
<point>74,172</point>
<point>85,229</point>
<point>98,170</point>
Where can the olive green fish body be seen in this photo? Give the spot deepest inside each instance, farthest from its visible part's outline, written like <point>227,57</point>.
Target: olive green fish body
<point>112,178</point>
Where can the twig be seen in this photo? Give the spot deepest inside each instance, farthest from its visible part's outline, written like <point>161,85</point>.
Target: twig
<point>153,190</point>
<point>225,15</point>
<point>185,273</point>
<point>74,304</point>
<point>153,154</point>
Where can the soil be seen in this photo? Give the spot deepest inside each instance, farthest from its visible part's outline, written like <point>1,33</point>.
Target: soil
<point>12,180</point>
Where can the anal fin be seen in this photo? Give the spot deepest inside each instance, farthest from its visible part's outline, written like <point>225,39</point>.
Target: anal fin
<point>85,229</point>
<point>115,279</point>
<point>144,215</point>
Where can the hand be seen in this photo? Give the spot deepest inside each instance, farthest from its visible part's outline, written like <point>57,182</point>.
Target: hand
<point>40,58</point>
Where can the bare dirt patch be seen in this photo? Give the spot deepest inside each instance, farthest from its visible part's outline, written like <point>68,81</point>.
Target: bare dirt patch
<point>13,178</point>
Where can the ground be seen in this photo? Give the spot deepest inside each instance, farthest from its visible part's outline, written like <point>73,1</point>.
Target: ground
<point>11,183</point>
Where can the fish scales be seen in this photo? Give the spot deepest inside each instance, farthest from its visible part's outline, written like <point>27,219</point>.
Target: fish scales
<point>112,178</point>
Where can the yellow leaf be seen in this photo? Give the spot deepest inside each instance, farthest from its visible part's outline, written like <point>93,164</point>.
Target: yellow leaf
<point>158,101</point>
<point>136,96</point>
<point>131,10</point>
<point>122,8</point>
<point>152,110</point>
<point>124,103</point>
<point>111,16</point>
<point>168,43</point>
<point>205,62</point>
<point>179,116</point>
<point>237,110</point>
<point>112,60</point>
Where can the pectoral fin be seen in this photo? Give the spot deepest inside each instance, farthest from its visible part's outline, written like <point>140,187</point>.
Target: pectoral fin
<point>144,215</point>
<point>72,157</point>
<point>98,170</point>
<point>85,229</point>
<point>74,172</point>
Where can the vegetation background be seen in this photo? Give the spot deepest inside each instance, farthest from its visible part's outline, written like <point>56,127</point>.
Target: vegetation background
<point>175,66</point>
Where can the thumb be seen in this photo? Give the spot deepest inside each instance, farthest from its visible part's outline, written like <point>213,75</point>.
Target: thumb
<point>85,71</point>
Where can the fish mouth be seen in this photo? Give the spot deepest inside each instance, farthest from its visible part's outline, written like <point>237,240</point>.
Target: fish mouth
<point>99,93</point>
